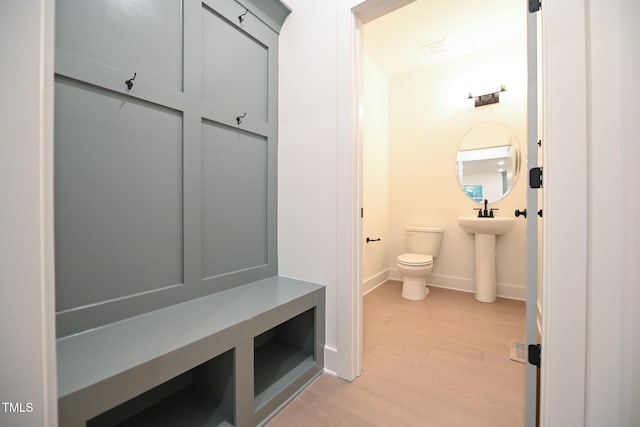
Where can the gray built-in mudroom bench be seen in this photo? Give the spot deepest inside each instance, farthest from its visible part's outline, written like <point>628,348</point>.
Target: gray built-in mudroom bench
<point>232,358</point>
<point>169,307</point>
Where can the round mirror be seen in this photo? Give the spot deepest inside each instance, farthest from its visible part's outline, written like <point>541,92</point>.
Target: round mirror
<point>488,162</point>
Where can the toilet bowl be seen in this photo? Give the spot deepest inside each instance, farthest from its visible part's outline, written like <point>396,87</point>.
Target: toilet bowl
<point>416,265</point>
<point>414,269</point>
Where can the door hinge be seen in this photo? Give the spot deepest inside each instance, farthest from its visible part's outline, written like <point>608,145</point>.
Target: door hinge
<point>534,6</point>
<point>361,212</point>
<point>533,354</point>
<point>535,177</point>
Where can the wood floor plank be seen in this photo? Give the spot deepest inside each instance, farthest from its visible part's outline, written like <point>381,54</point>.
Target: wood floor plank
<point>442,361</point>
<point>431,411</point>
<point>314,407</point>
<point>360,401</point>
<point>475,392</point>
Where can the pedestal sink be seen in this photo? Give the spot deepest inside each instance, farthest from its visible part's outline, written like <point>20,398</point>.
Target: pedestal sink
<point>486,230</point>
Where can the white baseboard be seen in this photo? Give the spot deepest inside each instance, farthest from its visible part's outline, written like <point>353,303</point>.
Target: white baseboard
<point>394,274</point>
<point>330,372</point>
<point>511,291</point>
<point>330,360</point>
<point>374,281</point>
<point>505,290</point>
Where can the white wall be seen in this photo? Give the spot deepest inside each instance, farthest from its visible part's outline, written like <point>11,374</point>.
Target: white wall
<point>375,174</point>
<point>613,287</point>
<point>629,314</point>
<point>318,204</point>
<point>590,335</point>
<point>307,185</point>
<point>318,128</point>
<point>429,117</point>
<point>27,358</point>
<point>318,198</point>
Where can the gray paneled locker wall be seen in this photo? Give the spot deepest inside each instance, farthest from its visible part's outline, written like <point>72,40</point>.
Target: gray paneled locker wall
<point>166,191</point>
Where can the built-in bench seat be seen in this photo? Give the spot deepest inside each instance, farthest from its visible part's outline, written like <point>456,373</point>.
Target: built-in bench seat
<point>243,352</point>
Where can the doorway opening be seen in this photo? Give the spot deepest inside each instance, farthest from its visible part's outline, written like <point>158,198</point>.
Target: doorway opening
<point>428,114</point>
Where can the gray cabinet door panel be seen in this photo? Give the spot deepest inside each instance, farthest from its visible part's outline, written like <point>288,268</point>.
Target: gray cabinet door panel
<point>234,67</point>
<point>118,195</point>
<point>143,37</point>
<point>234,200</point>
<point>160,195</point>
<point>79,68</point>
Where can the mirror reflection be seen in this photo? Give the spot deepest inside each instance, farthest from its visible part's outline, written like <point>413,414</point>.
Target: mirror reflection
<point>488,162</point>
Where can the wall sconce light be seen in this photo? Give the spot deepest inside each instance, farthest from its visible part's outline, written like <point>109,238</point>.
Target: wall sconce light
<point>489,98</point>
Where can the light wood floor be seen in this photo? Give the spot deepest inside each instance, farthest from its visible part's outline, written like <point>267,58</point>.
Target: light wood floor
<point>443,361</point>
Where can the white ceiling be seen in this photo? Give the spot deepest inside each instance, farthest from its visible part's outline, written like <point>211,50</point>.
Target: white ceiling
<point>395,41</point>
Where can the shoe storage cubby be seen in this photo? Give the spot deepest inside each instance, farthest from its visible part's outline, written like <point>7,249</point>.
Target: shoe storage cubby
<point>281,354</point>
<point>202,396</point>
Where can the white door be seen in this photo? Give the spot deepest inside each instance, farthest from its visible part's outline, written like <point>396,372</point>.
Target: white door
<point>534,217</point>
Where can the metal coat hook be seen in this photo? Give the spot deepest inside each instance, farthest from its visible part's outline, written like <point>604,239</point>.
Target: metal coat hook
<point>129,82</point>
<point>239,118</point>
<point>241,17</point>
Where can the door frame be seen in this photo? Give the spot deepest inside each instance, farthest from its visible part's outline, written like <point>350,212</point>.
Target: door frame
<point>533,311</point>
<point>565,94</point>
<point>27,303</point>
<point>564,75</point>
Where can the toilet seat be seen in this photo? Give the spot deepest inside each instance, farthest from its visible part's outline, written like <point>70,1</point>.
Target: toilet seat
<point>415,260</point>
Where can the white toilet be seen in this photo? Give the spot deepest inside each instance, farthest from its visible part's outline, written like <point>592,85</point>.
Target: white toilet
<point>424,245</point>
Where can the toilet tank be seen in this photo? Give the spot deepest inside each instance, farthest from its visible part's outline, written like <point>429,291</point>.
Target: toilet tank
<point>424,240</point>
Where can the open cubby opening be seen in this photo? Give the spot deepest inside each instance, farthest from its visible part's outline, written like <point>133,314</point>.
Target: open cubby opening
<point>202,396</point>
<point>281,354</point>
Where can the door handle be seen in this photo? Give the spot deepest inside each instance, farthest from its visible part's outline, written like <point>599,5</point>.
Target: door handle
<point>523,212</point>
